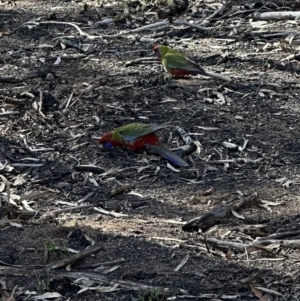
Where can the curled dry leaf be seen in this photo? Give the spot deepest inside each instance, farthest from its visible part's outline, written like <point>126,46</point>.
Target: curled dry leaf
<point>172,167</point>
<point>7,188</point>
<point>234,213</point>
<point>258,294</point>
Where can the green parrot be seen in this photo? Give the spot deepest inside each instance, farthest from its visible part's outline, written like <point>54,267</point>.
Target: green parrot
<point>177,64</point>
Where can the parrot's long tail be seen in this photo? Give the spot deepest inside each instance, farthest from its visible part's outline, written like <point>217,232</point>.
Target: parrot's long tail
<point>216,76</point>
<point>166,153</point>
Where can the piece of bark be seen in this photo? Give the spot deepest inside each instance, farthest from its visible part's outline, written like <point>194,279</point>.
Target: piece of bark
<point>121,189</point>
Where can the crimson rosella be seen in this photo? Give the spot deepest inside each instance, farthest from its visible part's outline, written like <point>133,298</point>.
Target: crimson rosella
<point>177,64</point>
<point>136,136</point>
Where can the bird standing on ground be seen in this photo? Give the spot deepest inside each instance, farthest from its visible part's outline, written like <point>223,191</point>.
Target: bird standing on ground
<point>177,64</point>
<point>136,136</point>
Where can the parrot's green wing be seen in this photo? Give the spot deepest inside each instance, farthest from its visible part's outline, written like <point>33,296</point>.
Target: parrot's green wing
<point>132,131</point>
<point>176,60</point>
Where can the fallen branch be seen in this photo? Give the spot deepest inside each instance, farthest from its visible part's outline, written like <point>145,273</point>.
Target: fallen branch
<point>82,33</point>
<point>221,244</point>
<point>143,60</point>
<point>139,29</point>
<point>291,243</point>
<point>242,247</point>
<point>192,25</point>
<point>66,261</point>
<point>280,235</point>
<point>106,281</point>
<point>112,213</point>
<point>8,113</point>
<point>69,209</point>
<point>91,168</point>
<point>157,25</point>
<point>275,34</point>
<point>153,26</point>
<point>17,271</point>
<point>218,214</point>
<point>278,15</point>
<point>97,279</point>
<point>26,76</point>
<point>14,101</point>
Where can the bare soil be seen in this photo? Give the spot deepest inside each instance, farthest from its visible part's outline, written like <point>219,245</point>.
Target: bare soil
<point>49,125</point>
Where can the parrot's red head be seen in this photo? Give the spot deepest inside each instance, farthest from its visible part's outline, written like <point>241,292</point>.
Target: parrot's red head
<point>156,49</point>
<point>106,140</point>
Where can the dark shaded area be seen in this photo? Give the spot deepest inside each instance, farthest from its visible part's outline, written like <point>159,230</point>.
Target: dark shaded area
<point>48,143</point>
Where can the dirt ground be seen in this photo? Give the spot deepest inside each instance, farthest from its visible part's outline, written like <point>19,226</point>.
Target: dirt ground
<point>60,90</point>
